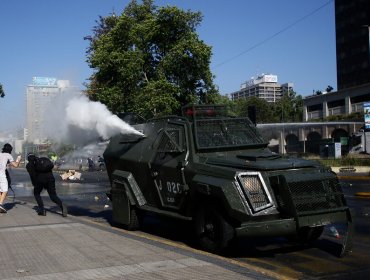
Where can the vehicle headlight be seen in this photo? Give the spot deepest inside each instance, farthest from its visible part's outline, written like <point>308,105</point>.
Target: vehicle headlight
<point>255,190</point>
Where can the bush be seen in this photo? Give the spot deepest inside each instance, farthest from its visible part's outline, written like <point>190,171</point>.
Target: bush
<point>346,161</point>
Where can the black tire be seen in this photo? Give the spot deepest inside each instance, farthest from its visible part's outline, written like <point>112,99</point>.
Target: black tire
<point>309,234</point>
<point>213,232</point>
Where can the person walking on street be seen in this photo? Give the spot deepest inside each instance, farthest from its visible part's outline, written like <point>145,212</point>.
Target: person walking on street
<point>40,181</point>
<point>91,164</point>
<point>101,163</point>
<point>5,159</point>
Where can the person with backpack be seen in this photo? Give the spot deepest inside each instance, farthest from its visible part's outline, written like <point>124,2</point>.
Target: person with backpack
<point>5,159</point>
<point>41,174</point>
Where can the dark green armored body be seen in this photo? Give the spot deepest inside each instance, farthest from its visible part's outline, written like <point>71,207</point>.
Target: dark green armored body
<point>218,172</point>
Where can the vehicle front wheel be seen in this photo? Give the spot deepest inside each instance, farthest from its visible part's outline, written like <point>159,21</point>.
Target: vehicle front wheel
<point>213,232</point>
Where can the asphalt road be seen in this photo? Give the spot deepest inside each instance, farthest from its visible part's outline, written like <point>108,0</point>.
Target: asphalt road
<point>86,199</point>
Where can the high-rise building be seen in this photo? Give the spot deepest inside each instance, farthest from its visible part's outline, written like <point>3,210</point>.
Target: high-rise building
<point>40,96</point>
<point>264,86</point>
<point>352,21</point>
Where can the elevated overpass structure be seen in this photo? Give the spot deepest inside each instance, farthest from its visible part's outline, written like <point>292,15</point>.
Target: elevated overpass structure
<point>306,137</point>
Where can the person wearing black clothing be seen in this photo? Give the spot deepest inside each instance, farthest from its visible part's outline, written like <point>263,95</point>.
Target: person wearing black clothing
<point>91,164</point>
<point>42,181</point>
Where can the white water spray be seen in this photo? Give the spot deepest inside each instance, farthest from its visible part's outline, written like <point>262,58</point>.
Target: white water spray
<point>83,123</point>
<point>94,116</point>
<point>77,120</point>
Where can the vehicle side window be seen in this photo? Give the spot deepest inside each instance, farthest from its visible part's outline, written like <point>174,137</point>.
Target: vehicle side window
<point>212,133</point>
<point>170,145</point>
<point>171,141</point>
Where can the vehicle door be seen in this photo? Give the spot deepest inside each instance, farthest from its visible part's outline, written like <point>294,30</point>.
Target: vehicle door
<point>168,164</point>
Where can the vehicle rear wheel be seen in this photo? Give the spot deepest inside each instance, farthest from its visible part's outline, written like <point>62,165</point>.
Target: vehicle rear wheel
<point>309,234</point>
<point>213,232</point>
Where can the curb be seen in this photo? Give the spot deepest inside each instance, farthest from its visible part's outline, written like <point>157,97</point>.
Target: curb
<point>363,194</point>
<point>354,177</point>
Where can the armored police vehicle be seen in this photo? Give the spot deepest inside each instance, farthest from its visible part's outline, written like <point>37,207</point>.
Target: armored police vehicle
<point>217,171</point>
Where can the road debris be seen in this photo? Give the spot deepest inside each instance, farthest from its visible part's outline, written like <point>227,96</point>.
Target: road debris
<point>71,175</point>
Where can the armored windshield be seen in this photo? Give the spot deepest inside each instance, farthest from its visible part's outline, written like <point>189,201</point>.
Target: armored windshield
<point>226,133</point>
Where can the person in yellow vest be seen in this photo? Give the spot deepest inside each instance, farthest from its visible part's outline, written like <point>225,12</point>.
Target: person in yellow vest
<point>54,158</point>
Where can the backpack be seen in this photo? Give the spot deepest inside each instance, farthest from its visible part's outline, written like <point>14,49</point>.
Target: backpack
<point>43,165</point>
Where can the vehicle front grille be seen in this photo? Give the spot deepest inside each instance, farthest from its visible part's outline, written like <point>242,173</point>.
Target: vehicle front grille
<point>308,196</point>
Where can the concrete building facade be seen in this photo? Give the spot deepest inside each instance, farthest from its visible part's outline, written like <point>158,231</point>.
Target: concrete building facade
<point>352,21</point>
<point>342,102</point>
<point>264,86</point>
<point>40,95</point>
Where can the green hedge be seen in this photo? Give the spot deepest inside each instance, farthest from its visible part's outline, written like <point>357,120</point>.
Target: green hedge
<point>346,161</point>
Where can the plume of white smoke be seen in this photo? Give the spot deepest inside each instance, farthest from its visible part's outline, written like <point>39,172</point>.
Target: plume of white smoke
<point>94,116</point>
<point>74,119</point>
<point>77,158</point>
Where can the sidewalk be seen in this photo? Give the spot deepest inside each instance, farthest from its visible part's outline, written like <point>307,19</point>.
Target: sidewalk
<point>56,248</point>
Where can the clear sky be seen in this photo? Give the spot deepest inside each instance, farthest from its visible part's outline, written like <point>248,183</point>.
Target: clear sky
<point>293,39</point>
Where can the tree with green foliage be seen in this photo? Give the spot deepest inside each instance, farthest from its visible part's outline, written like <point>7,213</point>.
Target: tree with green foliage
<point>289,108</point>
<point>2,93</point>
<point>264,110</point>
<point>149,60</point>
